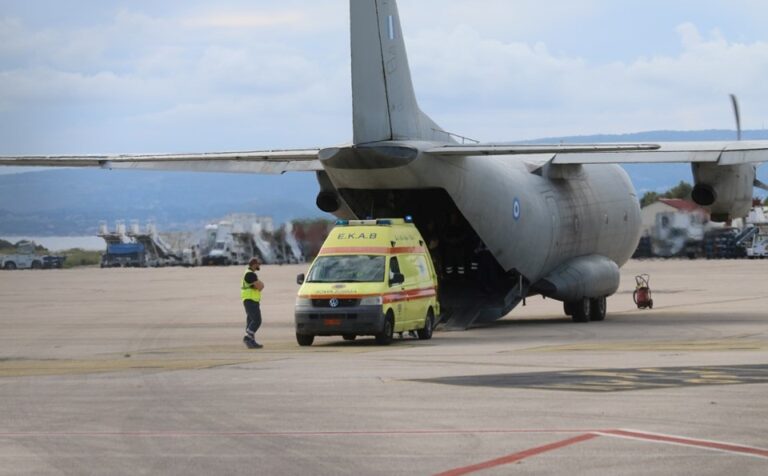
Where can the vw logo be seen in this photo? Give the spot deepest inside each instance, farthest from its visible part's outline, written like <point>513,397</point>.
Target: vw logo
<point>333,302</point>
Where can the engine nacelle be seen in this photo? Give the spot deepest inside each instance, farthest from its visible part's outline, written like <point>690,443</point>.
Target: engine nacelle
<point>329,200</point>
<point>726,190</point>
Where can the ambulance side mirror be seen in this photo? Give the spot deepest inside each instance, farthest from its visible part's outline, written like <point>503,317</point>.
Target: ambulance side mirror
<point>300,279</point>
<point>397,278</point>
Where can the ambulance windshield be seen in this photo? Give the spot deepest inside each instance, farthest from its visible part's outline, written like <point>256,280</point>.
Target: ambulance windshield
<point>347,269</point>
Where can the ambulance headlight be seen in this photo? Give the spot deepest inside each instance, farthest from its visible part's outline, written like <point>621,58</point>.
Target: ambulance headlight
<point>371,301</point>
<point>303,302</point>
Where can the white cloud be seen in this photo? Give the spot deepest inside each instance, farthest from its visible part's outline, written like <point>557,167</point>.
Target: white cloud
<point>523,88</point>
<point>244,21</point>
<point>488,68</point>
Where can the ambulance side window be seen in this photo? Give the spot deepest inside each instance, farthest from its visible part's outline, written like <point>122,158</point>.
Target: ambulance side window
<point>394,267</point>
<point>421,265</point>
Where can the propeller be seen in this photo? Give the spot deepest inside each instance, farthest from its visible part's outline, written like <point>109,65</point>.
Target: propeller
<point>737,115</point>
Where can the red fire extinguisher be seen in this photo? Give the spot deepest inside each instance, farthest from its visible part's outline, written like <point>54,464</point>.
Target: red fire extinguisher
<point>642,294</point>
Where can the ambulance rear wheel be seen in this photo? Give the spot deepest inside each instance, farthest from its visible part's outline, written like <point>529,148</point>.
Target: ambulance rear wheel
<point>597,309</point>
<point>581,310</point>
<point>429,325</point>
<point>305,340</point>
<point>385,336</point>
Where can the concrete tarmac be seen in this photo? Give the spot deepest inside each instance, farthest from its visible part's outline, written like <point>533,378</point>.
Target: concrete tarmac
<point>143,371</point>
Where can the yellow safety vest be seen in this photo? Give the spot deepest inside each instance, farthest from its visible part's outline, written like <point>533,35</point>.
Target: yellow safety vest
<point>248,292</point>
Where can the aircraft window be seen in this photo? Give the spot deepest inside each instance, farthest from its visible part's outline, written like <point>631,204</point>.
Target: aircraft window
<point>347,269</point>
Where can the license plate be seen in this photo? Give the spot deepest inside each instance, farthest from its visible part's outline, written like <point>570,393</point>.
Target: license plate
<point>332,322</point>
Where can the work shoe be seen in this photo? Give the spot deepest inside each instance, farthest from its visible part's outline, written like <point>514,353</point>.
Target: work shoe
<point>250,343</point>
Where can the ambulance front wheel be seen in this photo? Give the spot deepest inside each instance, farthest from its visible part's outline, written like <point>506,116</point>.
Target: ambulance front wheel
<point>385,336</point>
<point>305,340</point>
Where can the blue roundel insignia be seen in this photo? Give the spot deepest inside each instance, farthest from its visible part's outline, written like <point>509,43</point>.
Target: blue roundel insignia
<point>516,209</point>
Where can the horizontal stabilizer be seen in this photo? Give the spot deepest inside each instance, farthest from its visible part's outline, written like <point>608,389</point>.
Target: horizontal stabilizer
<point>525,149</point>
<point>722,153</point>
<point>265,162</point>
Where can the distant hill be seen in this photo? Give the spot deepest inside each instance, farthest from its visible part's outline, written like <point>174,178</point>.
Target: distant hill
<point>72,202</point>
<point>662,136</point>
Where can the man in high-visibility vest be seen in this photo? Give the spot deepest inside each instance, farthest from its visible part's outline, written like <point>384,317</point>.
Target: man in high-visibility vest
<point>250,292</point>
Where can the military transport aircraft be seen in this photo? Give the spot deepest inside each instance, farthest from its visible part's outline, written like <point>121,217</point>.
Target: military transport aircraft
<point>504,221</point>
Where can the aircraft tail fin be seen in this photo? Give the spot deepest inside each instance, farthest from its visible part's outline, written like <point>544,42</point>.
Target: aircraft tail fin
<point>383,100</point>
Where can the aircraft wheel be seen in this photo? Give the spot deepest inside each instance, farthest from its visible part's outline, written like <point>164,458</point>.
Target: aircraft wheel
<point>385,336</point>
<point>349,337</point>
<point>581,310</point>
<point>305,340</point>
<point>597,309</point>
<point>568,307</point>
<point>429,325</point>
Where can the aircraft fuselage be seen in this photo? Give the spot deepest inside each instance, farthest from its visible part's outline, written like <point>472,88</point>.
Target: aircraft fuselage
<point>532,218</point>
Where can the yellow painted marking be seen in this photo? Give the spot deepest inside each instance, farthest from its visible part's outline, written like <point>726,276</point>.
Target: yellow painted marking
<point>179,358</point>
<point>28,368</point>
<point>691,346</point>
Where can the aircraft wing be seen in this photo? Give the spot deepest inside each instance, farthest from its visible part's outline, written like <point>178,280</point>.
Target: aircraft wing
<point>264,162</point>
<point>722,153</point>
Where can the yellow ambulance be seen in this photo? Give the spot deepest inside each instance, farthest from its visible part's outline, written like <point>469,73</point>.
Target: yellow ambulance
<point>371,277</point>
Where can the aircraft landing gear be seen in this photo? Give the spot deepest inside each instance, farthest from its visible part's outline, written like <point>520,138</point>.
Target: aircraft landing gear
<point>597,309</point>
<point>580,310</point>
<point>586,309</point>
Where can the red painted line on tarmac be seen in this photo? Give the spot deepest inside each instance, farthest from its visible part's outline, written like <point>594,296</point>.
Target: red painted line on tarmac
<point>679,440</point>
<point>519,456</point>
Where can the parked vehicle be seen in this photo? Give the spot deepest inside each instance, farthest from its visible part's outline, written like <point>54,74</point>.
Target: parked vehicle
<point>372,277</point>
<point>53,262</point>
<point>123,255</point>
<point>24,258</point>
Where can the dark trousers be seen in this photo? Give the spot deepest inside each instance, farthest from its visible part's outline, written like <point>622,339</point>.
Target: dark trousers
<point>252,317</point>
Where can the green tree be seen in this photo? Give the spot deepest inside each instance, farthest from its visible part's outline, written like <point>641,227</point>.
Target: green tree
<point>648,198</point>
<point>681,190</point>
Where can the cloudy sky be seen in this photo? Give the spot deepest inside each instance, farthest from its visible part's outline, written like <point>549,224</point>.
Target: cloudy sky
<point>96,76</point>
